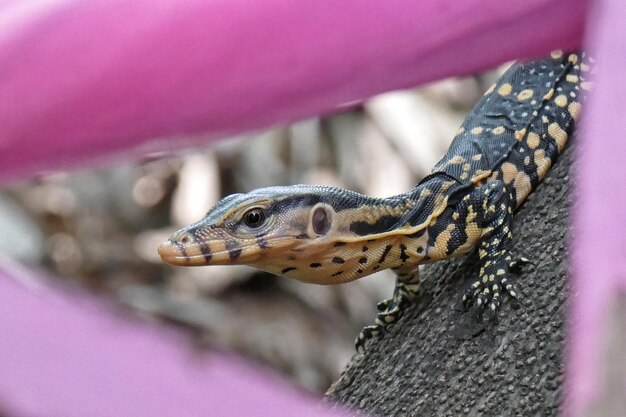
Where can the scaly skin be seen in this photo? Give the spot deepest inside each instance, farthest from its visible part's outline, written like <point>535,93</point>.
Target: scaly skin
<point>327,235</point>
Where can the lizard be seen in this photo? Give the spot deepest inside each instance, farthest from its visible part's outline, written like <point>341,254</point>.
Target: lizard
<point>330,235</point>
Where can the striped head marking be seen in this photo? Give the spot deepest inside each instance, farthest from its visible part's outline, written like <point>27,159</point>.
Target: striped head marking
<point>276,229</point>
<point>317,234</point>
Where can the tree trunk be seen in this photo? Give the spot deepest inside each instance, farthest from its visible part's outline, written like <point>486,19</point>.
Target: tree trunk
<point>442,361</point>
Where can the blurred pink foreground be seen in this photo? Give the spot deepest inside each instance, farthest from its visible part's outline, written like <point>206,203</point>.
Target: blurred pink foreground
<point>87,80</point>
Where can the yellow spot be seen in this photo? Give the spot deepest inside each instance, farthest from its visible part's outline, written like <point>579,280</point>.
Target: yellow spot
<point>455,215</point>
<point>461,130</point>
<point>519,134</point>
<point>500,272</point>
<point>509,171</point>
<point>464,176</point>
<point>498,130</point>
<point>477,157</point>
<point>543,163</point>
<point>466,167</point>
<point>532,140</point>
<point>558,134</point>
<point>490,90</point>
<point>572,78</point>
<point>556,54</point>
<point>549,94</point>
<point>574,109</point>
<point>480,174</point>
<point>520,180</point>
<point>477,130</point>
<point>425,192</point>
<point>586,85</point>
<point>545,119</point>
<point>471,214</point>
<point>458,159</point>
<point>573,58</point>
<point>526,160</point>
<point>446,185</point>
<point>525,94</point>
<point>440,200</point>
<point>505,89</point>
<point>561,100</point>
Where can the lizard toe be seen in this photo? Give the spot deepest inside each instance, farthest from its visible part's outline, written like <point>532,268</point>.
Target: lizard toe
<point>368,332</point>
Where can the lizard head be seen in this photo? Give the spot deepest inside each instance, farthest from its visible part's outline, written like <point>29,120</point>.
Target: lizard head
<point>277,229</point>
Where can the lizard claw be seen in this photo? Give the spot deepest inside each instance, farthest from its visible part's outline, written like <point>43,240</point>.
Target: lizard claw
<point>487,294</point>
<point>517,264</point>
<point>366,334</point>
<point>383,305</point>
<point>470,294</point>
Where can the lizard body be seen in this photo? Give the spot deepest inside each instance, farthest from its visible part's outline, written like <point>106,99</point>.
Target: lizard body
<point>328,235</point>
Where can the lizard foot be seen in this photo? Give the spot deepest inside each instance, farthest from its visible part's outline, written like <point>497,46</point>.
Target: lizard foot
<point>390,311</point>
<point>486,292</point>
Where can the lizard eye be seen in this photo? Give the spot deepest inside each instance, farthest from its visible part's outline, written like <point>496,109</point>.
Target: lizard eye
<point>254,217</point>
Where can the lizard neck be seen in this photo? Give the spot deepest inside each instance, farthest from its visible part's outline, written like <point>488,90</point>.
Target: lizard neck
<point>376,235</point>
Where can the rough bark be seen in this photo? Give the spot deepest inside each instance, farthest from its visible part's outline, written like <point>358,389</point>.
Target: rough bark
<point>442,361</point>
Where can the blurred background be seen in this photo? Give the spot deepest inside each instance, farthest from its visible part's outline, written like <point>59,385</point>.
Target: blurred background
<point>99,229</point>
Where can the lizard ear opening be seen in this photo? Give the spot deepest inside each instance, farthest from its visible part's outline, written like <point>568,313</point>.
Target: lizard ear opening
<point>320,220</point>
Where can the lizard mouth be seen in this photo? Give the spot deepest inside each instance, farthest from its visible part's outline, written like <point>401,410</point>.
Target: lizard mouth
<point>176,254</point>
<point>186,251</point>
<point>199,254</point>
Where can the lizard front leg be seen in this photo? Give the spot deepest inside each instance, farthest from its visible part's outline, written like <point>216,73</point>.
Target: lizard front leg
<point>482,217</point>
<point>406,291</point>
<point>493,202</point>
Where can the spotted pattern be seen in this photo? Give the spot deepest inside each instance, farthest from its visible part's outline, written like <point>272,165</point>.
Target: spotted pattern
<point>504,148</point>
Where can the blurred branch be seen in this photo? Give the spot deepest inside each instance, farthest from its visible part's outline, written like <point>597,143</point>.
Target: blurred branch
<point>65,353</point>
<point>90,79</point>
